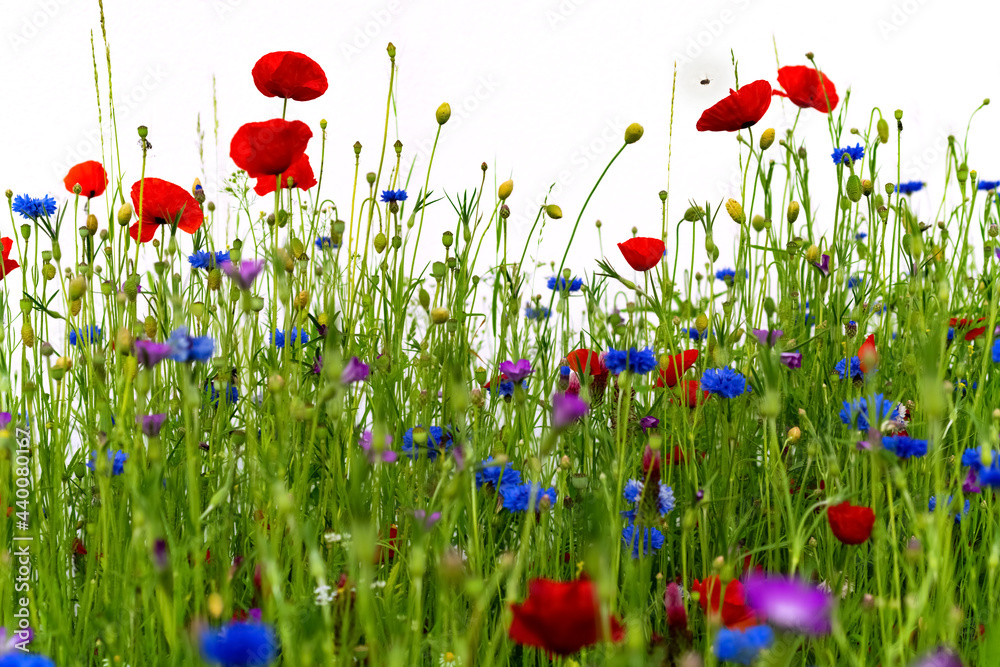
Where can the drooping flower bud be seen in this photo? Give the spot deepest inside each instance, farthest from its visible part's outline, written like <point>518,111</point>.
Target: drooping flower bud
<point>883,130</point>
<point>27,334</point>
<point>694,213</point>
<point>854,188</point>
<point>380,242</point>
<point>735,211</point>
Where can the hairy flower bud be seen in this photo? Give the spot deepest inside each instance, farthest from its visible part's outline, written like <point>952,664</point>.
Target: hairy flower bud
<point>440,315</point>
<point>48,271</point>
<point>633,133</point>
<point>149,326</point>
<point>735,211</point>
<point>694,213</point>
<point>854,188</point>
<point>27,334</point>
<point>380,242</point>
<point>77,288</point>
<point>812,253</point>
<point>92,224</point>
<point>767,138</point>
<point>125,214</point>
<point>883,130</point>
<point>123,341</point>
<point>701,322</point>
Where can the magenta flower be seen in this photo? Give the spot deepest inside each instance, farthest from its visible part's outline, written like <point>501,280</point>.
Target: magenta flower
<point>792,359</point>
<point>971,483</point>
<point>245,274</point>
<point>566,409</point>
<point>939,657</point>
<point>789,603</point>
<point>766,337</point>
<point>384,456</point>
<point>161,555</point>
<point>5,419</point>
<point>648,422</point>
<point>823,265</point>
<point>354,371</point>
<point>426,520</point>
<point>516,371</point>
<point>151,424</point>
<point>149,353</point>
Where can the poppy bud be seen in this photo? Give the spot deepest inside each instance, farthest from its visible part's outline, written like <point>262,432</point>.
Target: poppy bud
<point>357,148</point>
<point>633,133</point>
<point>214,279</point>
<point>505,189</point>
<point>883,212</point>
<point>380,242</point>
<point>883,130</point>
<point>812,253</point>
<point>77,287</point>
<point>77,188</point>
<point>701,322</point>
<point>504,212</point>
<point>694,213</point>
<point>794,433</point>
<point>425,299</point>
<point>735,211</point>
<point>866,187</point>
<point>123,341</point>
<point>75,307</point>
<point>48,271</point>
<point>391,50</point>
<point>440,315</point>
<point>149,327</point>
<point>553,211</point>
<point>125,214</point>
<point>963,173</point>
<point>759,223</point>
<point>27,335</point>
<point>854,188</point>
<point>91,224</point>
<point>767,139</point>
<point>131,288</point>
<point>302,300</point>
<point>443,113</point>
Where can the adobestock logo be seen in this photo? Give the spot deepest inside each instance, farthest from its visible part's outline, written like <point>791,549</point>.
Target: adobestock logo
<point>712,29</point>
<point>34,22</point>
<point>365,34</point>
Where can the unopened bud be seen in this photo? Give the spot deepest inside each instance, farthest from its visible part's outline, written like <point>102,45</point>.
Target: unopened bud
<point>125,214</point>
<point>735,211</point>
<point>767,138</point>
<point>633,133</point>
<point>505,189</point>
<point>553,211</point>
<point>443,113</point>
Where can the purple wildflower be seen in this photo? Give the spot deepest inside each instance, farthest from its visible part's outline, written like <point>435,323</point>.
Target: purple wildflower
<point>566,409</point>
<point>375,456</point>
<point>426,520</point>
<point>516,371</point>
<point>5,419</point>
<point>823,265</point>
<point>792,359</point>
<point>151,424</point>
<point>971,483</point>
<point>161,556</point>
<point>149,353</point>
<point>939,657</point>
<point>768,338</point>
<point>245,274</point>
<point>648,422</point>
<point>354,371</point>
<point>789,603</point>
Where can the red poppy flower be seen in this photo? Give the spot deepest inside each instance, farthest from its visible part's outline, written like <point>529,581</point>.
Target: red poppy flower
<point>290,75</point>
<point>8,263</point>
<point>692,395</point>
<point>851,524</point>
<point>731,606</point>
<point>584,361</point>
<point>91,177</point>
<point>163,203</point>
<point>642,253</point>
<point>561,617</point>
<point>740,110</point>
<point>676,367</point>
<point>807,88</point>
<point>269,148</point>
<point>868,355</point>
<point>300,173</point>
<point>975,333</point>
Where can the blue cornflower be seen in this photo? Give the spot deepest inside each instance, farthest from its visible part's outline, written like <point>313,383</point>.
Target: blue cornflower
<point>517,497</point>
<point>633,490</point>
<point>498,476</point>
<point>987,185</point>
<point>540,313</point>
<point>858,411</point>
<point>742,646</point>
<point>325,243</point>
<point>92,335</point>
<point>972,458</point>
<point>19,659</point>
<point>389,196</point>
<point>856,153</point>
<point>574,285</point>
<point>990,476</point>
<point>117,460</point>
<point>725,275</point>
<point>932,505</point>
<point>951,337</point>
<point>203,259</point>
<point>185,348</point>
<point>909,187</point>
<point>641,540</point>
<point>904,446</point>
<point>693,334</point>
<point>33,208</point>
<point>855,281</point>
<point>725,382</point>
<point>278,337</point>
<point>436,439</point>
<point>856,373</point>
<point>996,347</point>
<point>635,360</point>
<point>240,644</point>
<point>860,236</point>
<point>232,395</point>
<point>665,501</point>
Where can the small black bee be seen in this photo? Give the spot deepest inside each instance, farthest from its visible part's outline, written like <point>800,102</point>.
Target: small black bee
<point>706,81</point>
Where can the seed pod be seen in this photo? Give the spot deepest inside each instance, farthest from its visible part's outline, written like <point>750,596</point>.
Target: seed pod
<point>854,188</point>
<point>48,271</point>
<point>150,327</point>
<point>883,130</point>
<point>735,211</point>
<point>759,223</point>
<point>793,211</point>
<point>767,138</point>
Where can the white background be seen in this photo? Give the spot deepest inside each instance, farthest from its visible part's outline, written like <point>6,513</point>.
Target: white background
<point>541,90</point>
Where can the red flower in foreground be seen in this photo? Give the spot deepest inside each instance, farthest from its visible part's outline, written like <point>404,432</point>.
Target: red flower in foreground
<point>740,110</point>
<point>300,173</point>
<point>731,606</point>
<point>290,75</point>
<point>807,88</point>
<point>692,395</point>
<point>584,361</point>
<point>642,253</point>
<point>868,355</point>
<point>561,617</point>
<point>8,263</point>
<point>851,524</point>
<point>164,203</point>
<point>90,176</point>
<point>269,148</point>
<point>676,367</point>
